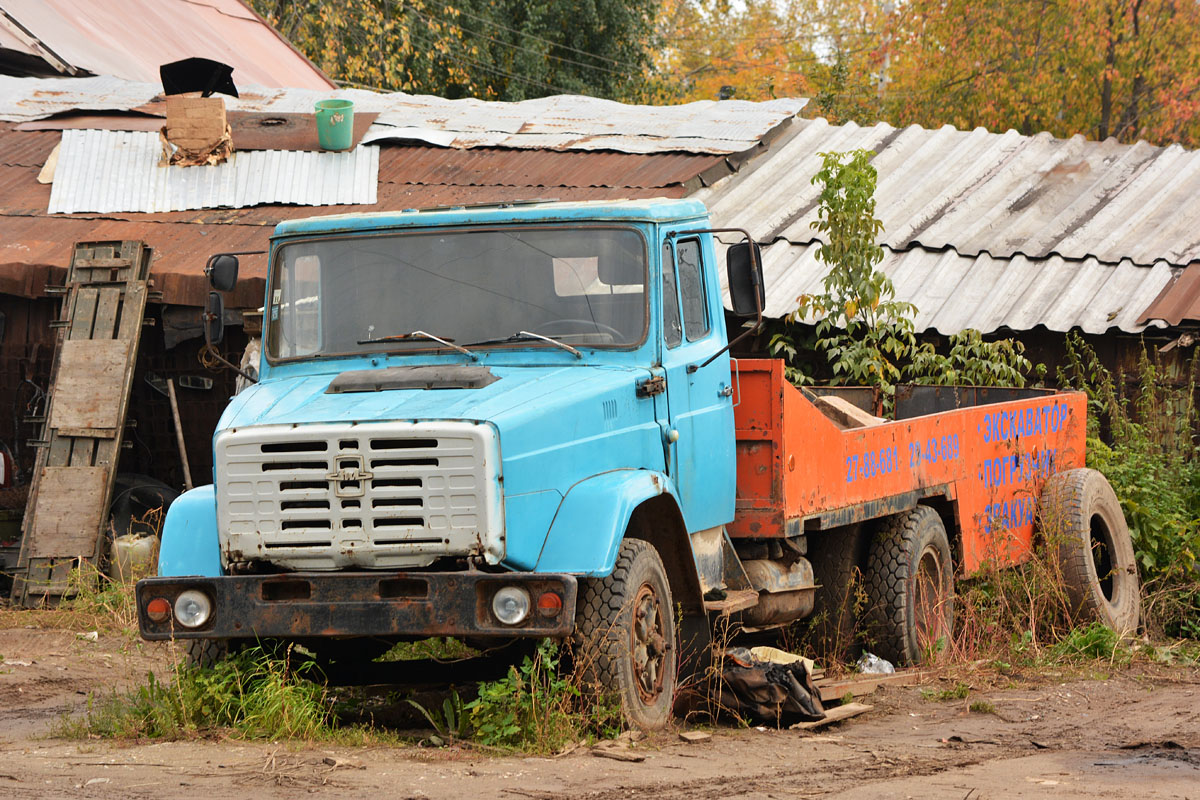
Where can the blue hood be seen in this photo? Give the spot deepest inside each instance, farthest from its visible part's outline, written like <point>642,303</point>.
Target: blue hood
<point>301,400</point>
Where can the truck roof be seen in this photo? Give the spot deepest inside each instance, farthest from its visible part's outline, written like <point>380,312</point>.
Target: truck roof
<point>658,209</point>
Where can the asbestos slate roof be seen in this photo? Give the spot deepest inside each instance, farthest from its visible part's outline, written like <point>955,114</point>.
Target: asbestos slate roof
<point>981,192</point>
<point>985,230</point>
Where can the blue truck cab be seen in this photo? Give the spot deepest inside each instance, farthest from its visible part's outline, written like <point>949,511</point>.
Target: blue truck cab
<point>493,422</point>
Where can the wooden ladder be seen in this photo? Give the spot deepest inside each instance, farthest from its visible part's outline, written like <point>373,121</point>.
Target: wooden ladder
<point>67,511</point>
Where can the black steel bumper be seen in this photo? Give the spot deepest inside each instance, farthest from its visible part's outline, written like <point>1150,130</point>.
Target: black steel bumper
<point>320,604</point>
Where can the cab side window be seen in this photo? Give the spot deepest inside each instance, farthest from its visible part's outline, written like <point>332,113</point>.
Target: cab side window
<point>691,288</point>
<point>672,330</point>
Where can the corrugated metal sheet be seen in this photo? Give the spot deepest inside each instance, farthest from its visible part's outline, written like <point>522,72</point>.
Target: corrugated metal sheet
<point>18,149</point>
<point>131,38</point>
<point>493,167</point>
<point>1179,301</point>
<point>35,247</point>
<point>106,171</point>
<point>552,123</point>
<point>979,192</point>
<point>35,98</point>
<point>953,291</point>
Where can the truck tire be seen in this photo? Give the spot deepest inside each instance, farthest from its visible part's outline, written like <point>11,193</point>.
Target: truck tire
<point>836,557</point>
<point>204,653</point>
<point>910,586</point>
<point>625,635</point>
<point>1079,514</point>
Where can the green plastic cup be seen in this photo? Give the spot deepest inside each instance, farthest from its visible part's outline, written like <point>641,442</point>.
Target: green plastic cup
<point>335,124</point>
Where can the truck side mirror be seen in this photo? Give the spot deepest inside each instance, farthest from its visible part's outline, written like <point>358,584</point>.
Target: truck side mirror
<point>743,262</point>
<point>213,319</point>
<point>222,271</point>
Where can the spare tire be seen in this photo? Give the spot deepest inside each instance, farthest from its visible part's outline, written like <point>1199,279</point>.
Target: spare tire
<point>1079,516</point>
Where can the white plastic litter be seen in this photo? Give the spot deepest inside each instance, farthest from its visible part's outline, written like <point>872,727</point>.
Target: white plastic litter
<point>871,664</point>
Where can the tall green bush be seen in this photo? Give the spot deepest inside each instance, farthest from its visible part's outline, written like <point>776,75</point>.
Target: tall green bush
<point>1150,457</point>
<point>867,335</point>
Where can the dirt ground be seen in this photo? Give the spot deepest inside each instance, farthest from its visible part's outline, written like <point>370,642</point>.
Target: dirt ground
<point>1134,733</point>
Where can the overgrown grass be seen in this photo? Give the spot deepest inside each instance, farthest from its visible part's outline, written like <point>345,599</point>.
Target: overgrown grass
<point>1142,436</point>
<point>93,601</point>
<point>959,691</point>
<point>252,694</point>
<point>540,706</point>
<point>267,693</point>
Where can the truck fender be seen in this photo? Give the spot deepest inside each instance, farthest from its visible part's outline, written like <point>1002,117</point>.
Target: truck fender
<point>189,538</point>
<point>592,519</point>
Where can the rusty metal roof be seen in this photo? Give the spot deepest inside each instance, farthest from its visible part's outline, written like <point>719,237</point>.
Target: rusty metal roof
<point>132,38</point>
<point>35,246</point>
<point>1179,301</point>
<point>980,192</point>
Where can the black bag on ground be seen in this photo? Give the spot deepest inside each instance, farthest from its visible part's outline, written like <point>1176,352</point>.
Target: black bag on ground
<point>764,691</point>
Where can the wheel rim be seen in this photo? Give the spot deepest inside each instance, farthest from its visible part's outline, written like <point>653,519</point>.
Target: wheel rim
<point>930,599</point>
<point>649,644</point>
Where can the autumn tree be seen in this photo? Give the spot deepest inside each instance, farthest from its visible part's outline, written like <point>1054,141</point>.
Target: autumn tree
<point>1123,68</point>
<point>760,49</point>
<point>493,49</point>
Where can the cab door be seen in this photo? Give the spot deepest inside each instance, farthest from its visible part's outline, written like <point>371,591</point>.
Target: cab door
<point>699,398</point>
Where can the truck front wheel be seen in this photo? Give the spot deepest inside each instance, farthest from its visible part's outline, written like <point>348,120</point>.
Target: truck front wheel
<point>625,631</point>
<point>204,653</point>
<point>910,586</point>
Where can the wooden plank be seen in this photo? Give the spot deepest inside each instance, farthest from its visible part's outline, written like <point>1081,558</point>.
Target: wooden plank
<point>68,513</point>
<point>85,433</point>
<point>83,315</point>
<point>860,685</point>
<point>89,396</point>
<point>87,263</point>
<point>90,384</point>
<point>835,714</point>
<point>735,600</point>
<point>107,307</point>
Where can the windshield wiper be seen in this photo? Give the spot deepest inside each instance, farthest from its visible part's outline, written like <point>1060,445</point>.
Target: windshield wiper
<point>401,337</point>
<point>519,335</point>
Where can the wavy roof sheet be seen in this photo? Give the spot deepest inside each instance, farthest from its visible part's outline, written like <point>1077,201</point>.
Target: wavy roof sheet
<point>952,291</point>
<point>565,122</point>
<point>978,192</point>
<point>106,171</point>
<point>985,230</point>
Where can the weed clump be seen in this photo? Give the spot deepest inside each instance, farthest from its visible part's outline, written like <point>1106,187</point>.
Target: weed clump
<point>540,706</point>
<point>250,693</point>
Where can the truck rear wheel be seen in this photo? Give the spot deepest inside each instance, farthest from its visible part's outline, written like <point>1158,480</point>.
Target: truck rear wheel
<point>910,586</point>
<point>625,630</point>
<point>1080,515</point>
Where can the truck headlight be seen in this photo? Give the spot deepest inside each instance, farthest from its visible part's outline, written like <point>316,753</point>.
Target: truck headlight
<point>192,608</point>
<point>511,605</point>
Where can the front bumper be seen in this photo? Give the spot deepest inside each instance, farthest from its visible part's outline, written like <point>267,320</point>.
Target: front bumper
<point>327,604</point>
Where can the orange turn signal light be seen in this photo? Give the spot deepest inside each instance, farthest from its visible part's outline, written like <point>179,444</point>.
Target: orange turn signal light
<point>158,609</point>
<point>549,604</point>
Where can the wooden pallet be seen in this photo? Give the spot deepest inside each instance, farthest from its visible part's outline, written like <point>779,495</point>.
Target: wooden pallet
<point>67,510</point>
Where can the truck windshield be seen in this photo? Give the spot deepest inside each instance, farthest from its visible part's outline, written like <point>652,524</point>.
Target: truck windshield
<point>582,286</point>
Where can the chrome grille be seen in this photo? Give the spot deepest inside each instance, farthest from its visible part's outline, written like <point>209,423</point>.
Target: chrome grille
<point>384,495</point>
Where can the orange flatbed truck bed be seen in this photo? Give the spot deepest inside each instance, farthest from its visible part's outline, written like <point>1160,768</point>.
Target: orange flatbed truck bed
<point>799,471</point>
